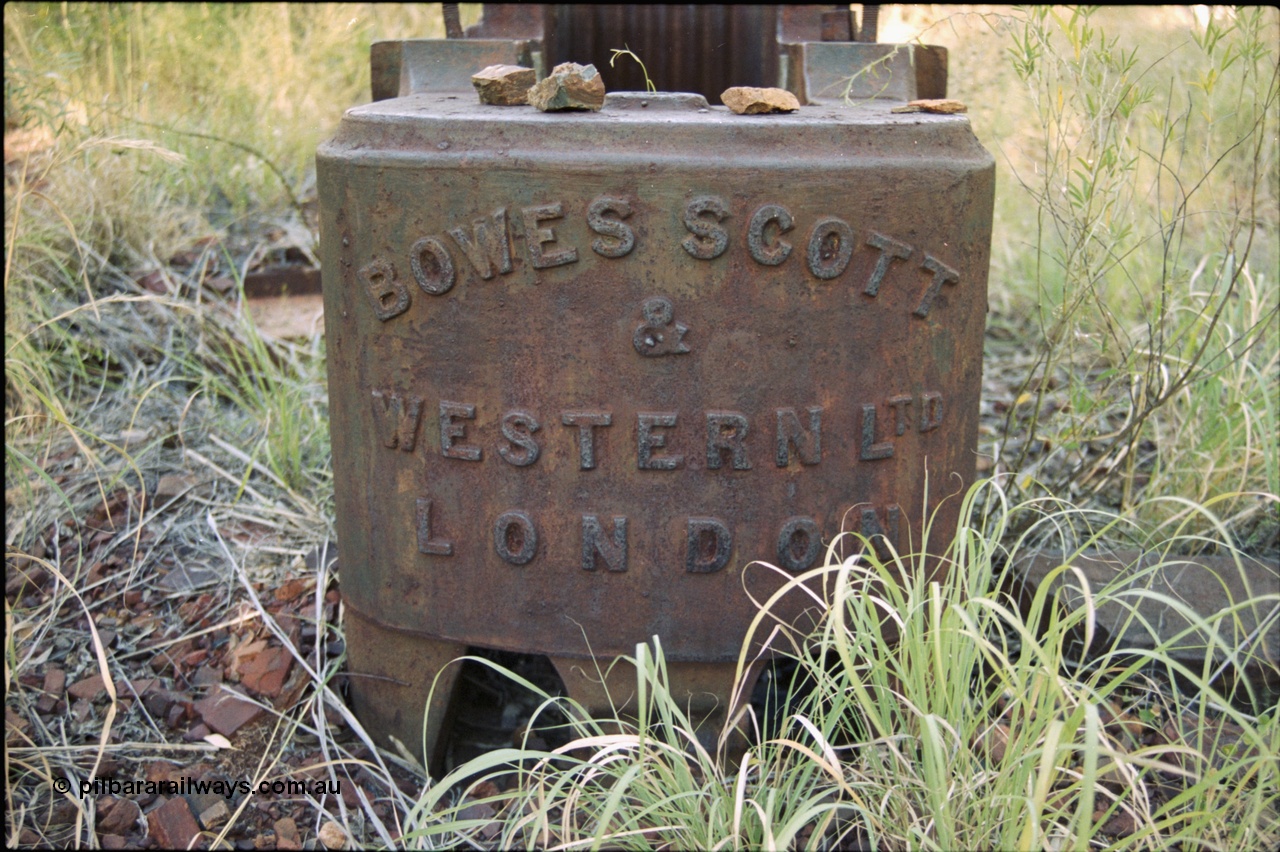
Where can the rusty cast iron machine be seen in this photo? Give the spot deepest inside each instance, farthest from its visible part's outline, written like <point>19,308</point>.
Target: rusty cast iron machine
<point>584,367</point>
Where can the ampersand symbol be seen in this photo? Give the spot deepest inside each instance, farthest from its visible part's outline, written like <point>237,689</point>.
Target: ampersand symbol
<point>659,334</point>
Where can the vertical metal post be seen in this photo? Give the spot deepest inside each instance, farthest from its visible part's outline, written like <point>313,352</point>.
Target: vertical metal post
<point>870,23</point>
<point>452,21</point>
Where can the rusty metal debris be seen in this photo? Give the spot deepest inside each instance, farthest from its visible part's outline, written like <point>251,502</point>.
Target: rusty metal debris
<point>584,367</point>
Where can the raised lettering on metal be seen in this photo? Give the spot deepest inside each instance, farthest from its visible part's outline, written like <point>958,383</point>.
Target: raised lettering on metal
<point>707,239</point>
<point>799,544</point>
<point>899,404</point>
<point>726,432</point>
<point>870,449</point>
<point>432,266</point>
<point>518,428</point>
<point>708,545</point>
<point>486,244</point>
<point>624,237</point>
<point>780,250</point>
<point>389,297</point>
<point>451,430</point>
<point>808,444</point>
<point>659,334</point>
<point>930,410</point>
<point>536,238</point>
<point>397,423</point>
<point>881,535</point>
<point>586,421</point>
<point>942,274</point>
<point>515,538</point>
<point>647,440</point>
<point>594,543</point>
<point>426,543</point>
<point>890,250</point>
<point>830,247</point>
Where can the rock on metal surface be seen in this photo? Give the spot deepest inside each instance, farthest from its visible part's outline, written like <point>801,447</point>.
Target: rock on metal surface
<point>569,87</point>
<point>583,368</point>
<point>504,85</point>
<point>750,100</point>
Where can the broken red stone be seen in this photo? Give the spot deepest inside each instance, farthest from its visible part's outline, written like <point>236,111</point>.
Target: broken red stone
<point>137,686</point>
<point>155,282</point>
<point>96,572</point>
<point>174,715</point>
<point>287,834</point>
<point>171,485</point>
<point>55,681</point>
<point>117,818</point>
<point>158,704</point>
<point>207,675</point>
<point>172,824</point>
<point>226,712</point>
<point>88,689</point>
<point>290,589</point>
<point>265,672</point>
<point>196,734</point>
<point>160,770</point>
<point>14,722</point>
<point>220,284</point>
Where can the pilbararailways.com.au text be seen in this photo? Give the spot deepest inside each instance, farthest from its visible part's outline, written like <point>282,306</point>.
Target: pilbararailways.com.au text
<point>192,786</point>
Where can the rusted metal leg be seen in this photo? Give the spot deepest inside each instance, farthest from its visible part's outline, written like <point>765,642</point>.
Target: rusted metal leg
<point>704,690</point>
<point>391,676</point>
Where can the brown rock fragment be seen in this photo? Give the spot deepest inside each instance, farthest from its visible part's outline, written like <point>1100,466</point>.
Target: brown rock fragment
<point>1121,824</point>
<point>55,680</point>
<point>207,676</point>
<point>291,589</point>
<point>118,816</point>
<point>160,770</point>
<point>172,824</point>
<point>332,836</point>
<point>504,85</point>
<point>173,484</point>
<point>287,834</point>
<point>215,815</point>
<point>264,672</point>
<point>751,100</point>
<point>220,284</point>
<point>226,712</point>
<point>570,87</point>
<point>14,722</point>
<point>942,106</point>
<point>88,689</point>
<point>197,733</point>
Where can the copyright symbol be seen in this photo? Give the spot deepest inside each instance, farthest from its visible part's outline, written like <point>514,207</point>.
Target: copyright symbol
<point>62,785</point>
